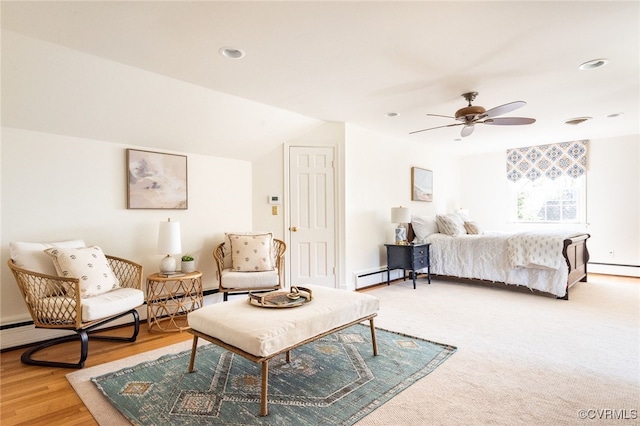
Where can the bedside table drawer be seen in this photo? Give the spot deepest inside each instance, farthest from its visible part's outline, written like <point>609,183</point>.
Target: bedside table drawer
<point>420,262</point>
<point>420,252</point>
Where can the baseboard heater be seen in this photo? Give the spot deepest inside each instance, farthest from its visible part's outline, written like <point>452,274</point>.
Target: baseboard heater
<point>374,276</point>
<point>625,270</point>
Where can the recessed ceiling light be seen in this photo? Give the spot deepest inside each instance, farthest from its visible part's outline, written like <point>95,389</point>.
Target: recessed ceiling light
<point>615,114</point>
<point>231,52</point>
<point>392,114</point>
<point>577,120</point>
<point>593,64</point>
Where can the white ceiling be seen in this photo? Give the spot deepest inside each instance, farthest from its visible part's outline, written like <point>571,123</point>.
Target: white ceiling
<point>353,62</point>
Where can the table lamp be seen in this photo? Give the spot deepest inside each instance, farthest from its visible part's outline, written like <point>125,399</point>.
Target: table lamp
<point>401,215</point>
<point>169,244</point>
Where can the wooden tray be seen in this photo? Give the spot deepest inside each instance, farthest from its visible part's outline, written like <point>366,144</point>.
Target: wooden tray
<point>296,296</point>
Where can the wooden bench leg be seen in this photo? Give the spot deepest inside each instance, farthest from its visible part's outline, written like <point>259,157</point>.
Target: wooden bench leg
<point>265,388</point>
<point>288,357</point>
<point>194,348</point>
<point>373,338</point>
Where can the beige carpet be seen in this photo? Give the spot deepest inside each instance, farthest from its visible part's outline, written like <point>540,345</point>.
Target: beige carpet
<point>521,359</point>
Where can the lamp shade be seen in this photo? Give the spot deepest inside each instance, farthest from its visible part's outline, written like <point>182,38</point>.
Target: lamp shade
<point>400,215</point>
<point>169,238</point>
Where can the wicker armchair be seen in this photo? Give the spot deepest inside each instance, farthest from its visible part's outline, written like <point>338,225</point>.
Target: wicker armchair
<point>55,303</point>
<point>231,281</point>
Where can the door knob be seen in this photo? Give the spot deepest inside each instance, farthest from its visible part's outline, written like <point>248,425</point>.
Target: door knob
<point>293,229</point>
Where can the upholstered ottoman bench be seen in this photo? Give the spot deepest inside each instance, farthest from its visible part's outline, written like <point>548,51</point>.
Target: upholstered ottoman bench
<point>259,334</point>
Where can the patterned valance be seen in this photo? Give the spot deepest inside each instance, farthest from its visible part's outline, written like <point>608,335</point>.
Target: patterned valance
<point>551,161</point>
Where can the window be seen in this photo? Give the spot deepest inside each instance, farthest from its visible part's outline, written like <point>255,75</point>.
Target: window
<point>561,200</point>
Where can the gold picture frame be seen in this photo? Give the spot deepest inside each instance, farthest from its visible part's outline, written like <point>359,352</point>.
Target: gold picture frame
<point>156,180</point>
<point>421,184</point>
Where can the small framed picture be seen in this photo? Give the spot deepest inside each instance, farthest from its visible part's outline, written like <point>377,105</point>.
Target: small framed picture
<point>421,184</point>
<point>156,180</point>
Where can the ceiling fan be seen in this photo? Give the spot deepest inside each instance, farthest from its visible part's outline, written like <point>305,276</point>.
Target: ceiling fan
<point>471,115</point>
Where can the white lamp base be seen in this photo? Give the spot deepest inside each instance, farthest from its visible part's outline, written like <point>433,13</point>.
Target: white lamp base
<point>168,264</point>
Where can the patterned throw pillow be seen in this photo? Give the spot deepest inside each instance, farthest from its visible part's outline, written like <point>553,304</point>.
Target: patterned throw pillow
<point>451,224</point>
<point>87,263</point>
<point>251,252</point>
<point>472,228</point>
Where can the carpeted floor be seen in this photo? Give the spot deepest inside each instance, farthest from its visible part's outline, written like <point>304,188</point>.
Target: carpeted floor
<point>521,358</point>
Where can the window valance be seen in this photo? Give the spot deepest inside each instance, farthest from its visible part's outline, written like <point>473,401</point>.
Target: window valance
<point>551,161</point>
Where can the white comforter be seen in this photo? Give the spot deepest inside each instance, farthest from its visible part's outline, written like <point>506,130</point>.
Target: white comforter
<point>487,257</point>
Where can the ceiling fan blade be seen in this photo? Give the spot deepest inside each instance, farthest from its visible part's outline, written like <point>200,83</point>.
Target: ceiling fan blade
<point>467,130</point>
<point>432,128</point>
<point>439,115</point>
<point>503,109</point>
<point>509,121</point>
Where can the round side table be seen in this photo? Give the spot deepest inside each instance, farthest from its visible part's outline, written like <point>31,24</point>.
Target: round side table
<point>171,298</point>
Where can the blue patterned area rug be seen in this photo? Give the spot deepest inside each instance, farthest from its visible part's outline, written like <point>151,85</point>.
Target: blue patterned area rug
<point>333,381</point>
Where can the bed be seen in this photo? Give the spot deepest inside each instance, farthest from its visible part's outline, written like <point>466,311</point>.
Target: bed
<point>542,261</point>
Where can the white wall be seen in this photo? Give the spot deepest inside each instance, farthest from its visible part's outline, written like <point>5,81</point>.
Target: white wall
<point>377,178</point>
<point>57,187</point>
<point>613,200</point>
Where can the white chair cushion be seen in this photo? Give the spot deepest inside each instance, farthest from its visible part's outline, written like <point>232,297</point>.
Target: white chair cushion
<point>94,308</point>
<point>31,256</point>
<point>89,264</point>
<point>111,303</point>
<point>262,331</point>
<point>249,280</point>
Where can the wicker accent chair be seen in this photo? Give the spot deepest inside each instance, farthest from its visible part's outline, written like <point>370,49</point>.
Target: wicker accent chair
<point>231,281</point>
<point>55,303</point>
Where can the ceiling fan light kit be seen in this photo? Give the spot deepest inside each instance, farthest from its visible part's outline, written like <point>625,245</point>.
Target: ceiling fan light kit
<point>471,115</point>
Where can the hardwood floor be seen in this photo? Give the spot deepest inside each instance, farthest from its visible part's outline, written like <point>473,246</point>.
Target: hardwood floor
<point>31,395</point>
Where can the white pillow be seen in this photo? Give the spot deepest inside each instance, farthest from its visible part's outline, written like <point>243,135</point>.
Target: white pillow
<point>87,263</point>
<point>251,252</point>
<point>423,226</point>
<point>31,256</point>
<point>450,224</point>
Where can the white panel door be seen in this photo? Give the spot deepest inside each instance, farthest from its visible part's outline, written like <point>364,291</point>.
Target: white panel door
<point>312,215</point>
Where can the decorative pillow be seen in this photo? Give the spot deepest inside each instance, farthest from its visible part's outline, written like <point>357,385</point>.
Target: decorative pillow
<point>423,226</point>
<point>31,256</point>
<point>450,224</point>
<point>472,228</point>
<point>87,263</point>
<point>251,252</point>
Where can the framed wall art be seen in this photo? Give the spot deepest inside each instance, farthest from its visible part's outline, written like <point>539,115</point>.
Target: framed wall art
<point>421,184</point>
<point>156,180</point>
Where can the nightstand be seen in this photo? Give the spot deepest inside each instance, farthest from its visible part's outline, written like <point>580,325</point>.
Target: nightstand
<point>170,299</point>
<point>411,256</point>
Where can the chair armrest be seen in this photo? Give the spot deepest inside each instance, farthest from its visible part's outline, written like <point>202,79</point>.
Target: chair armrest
<point>129,273</point>
<point>36,288</point>
<point>218,256</point>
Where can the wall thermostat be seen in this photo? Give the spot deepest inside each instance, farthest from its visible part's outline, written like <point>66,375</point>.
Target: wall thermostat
<point>275,199</point>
